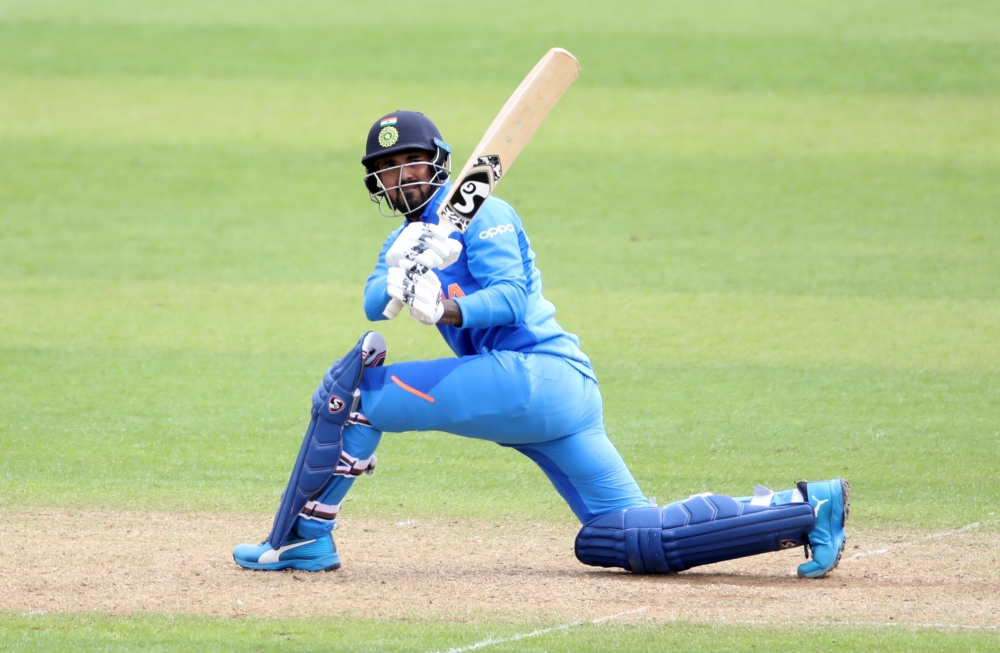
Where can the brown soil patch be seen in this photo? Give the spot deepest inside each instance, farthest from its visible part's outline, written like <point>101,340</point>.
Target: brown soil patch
<point>128,562</point>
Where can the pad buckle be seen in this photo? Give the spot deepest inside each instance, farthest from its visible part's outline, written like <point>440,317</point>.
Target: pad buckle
<point>352,467</point>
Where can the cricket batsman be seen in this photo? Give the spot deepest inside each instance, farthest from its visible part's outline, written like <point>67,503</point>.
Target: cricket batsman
<point>517,379</point>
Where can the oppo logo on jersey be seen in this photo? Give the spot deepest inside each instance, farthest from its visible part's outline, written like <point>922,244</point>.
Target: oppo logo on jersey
<point>496,231</point>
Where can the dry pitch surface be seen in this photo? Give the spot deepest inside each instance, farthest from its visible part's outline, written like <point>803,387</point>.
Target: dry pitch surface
<point>128,562</point>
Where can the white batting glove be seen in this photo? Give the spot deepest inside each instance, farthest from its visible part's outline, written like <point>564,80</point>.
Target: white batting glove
<point>418,288</point>
<point>425,244</point>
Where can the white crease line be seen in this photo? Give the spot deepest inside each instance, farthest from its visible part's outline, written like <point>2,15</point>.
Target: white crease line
<point>543,631</point>
<point>933,536</point>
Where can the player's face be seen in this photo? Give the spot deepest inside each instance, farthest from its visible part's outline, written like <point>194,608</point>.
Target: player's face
<point>406,176</point>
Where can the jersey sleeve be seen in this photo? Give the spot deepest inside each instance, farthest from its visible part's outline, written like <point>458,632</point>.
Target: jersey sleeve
<point>376,295</point>
<point>493,246</point>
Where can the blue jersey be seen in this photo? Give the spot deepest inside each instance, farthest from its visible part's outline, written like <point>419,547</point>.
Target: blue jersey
<point>497,288</point>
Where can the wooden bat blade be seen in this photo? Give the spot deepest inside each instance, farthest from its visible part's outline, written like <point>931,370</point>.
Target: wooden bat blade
<point>511,130</point>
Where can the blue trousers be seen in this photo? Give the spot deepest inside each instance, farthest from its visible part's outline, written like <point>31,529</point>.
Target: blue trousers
<point>538,404</point>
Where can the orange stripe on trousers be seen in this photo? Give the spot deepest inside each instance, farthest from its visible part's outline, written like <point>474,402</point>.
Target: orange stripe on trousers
<point>402,385</point>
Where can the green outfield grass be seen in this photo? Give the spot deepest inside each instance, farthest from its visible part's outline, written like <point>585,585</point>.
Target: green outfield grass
<point>158,633</point>
<point>775,228</point>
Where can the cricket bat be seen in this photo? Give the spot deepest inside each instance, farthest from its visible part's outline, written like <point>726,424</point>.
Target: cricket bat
<point>503,141</point>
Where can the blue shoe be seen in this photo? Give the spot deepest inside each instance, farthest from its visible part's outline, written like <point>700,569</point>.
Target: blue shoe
<point>306,555</point>
<point>832,502</point>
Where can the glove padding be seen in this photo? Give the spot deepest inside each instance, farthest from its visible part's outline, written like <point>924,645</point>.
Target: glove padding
<point>418,288</point>
<point>425,244</point>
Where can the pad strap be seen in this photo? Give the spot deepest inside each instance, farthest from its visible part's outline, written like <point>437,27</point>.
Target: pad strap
<point>699,531</point>
<point>351,466</point>
<point>348,466</point>
<point>317,510</point>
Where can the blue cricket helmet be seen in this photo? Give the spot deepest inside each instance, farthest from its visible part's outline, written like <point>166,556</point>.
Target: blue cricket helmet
<point>395,133</point>
<point>401,131</point>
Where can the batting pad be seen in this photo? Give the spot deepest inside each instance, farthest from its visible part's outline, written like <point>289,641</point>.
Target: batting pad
<point>320,452</point>
<point>699,531</point>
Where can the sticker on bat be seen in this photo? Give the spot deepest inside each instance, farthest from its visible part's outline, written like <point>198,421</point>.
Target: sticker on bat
<point>447,213</point>
<point>493,161</point>
<point>472,192</point>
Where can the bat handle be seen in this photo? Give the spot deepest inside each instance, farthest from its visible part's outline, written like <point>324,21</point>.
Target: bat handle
<point>393,308</point>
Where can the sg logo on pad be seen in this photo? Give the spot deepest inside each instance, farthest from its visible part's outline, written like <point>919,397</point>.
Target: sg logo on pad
<point>336,404</point>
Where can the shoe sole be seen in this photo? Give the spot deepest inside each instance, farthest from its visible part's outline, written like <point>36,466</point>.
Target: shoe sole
<point>845,487</point>
<point>845,490</point>
<point>281,566</point>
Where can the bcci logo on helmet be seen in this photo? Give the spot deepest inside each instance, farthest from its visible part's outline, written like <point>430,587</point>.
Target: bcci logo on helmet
<point>388,136</point>
<point>336,404</point>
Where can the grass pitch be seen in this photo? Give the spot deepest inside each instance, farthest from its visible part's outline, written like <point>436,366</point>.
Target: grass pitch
<point>774,228</point>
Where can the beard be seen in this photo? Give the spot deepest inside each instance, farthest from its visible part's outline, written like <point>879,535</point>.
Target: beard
<point>415,197</point>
